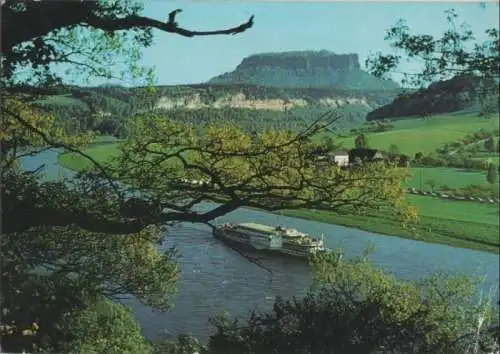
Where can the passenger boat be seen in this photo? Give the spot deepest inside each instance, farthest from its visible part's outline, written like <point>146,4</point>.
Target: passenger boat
<point>280,240</point>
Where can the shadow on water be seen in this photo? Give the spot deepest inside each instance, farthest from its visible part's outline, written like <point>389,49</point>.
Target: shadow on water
<point>214,279</point>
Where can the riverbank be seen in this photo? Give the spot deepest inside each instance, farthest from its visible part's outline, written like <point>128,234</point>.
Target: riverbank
<point>430,230</point>
<point>453,223</point>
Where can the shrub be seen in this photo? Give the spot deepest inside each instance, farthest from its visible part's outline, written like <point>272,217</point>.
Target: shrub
<point>355,308</point>
<point>103,327</point>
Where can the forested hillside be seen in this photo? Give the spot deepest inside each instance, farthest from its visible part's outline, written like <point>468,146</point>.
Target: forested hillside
<point>105,109</point>
<point>457,94</point>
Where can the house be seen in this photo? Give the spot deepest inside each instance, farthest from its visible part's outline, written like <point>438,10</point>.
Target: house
<point>365,155</point>
<point>339,157</point>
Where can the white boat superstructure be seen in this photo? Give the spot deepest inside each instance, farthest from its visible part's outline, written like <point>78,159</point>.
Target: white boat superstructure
<point>279,239</point>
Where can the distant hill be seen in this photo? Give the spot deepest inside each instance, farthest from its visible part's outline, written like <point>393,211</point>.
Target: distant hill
<point>460,93</point>
<point>103,108</point>
<point>304,69</point>
<point>264,91</point>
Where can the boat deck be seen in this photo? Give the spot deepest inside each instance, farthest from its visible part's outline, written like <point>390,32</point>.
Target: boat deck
<point>258,227</point>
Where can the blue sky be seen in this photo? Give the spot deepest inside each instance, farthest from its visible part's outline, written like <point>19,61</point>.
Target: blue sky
<point>341,27</point>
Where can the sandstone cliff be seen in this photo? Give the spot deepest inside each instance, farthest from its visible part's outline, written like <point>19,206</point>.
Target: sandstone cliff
<point>307,69</point>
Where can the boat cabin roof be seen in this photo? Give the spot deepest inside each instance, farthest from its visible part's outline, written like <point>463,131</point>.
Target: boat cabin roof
<point>258,227</point>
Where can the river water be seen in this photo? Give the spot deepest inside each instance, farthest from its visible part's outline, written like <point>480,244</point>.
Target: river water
<point>214,278</point>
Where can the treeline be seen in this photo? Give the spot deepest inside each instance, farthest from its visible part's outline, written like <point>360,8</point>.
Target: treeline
<point>472,139</point>
<point>251,120</point>
<point>450,161</point>
<point>374,126</point>
<point>248,119</point>
<point>106,109</point>
<point>456,94</point>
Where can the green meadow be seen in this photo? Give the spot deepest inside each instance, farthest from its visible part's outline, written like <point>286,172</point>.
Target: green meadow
<point>451,177</point>
<point>62,100</point>
<point>424,135</point>
<point>101,151</point>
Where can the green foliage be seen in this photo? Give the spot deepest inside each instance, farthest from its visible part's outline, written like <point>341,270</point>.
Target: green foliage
<point>490,144</point>
<point>103,327</point>
<point>174,152</point>
<point>33,306</point>
<point>472,66</point>
<point>441,221</point>
<point>457,51</point>
<point>91,241</point>
<point>72,267</point>
<point>329,143</point>
<point>184,344</point>
<point>451,177</point>
<point>79,109</point>
<point>74,45</point>
<point>454,95</point>
<point>393,149</point>
<point>361,142</point>
<point>418,135</point>
<point>100,109</point>
<point>492,174</point>
<point>431,183</point>
<point>475,191</point>
<point>356,308</point>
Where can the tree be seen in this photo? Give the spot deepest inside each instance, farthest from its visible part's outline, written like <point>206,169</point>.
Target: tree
<point>418,156</point>
<point>355,308</point>
<point>361,141</point>
<point>98,235</point>
<point>67,32</point>
<point>492,174</point>
<point>394,150</point>
<point>431,183</point>
<point>79,267</point>
<point>456,54</point>
<point>488,144</point>
<point>103,327</point>
<point>328,143</point>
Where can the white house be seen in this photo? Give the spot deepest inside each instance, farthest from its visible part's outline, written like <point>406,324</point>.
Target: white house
<point>341,157</point>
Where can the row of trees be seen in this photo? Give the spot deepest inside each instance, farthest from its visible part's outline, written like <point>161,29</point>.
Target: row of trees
<point>471,141</point>
<point>102,112</point>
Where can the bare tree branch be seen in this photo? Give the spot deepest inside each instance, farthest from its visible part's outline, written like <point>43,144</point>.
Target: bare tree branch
<point>43,17</point>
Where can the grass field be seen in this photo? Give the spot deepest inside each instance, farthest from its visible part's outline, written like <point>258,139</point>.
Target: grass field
<point>466,234</point>
<point>451,177</point>
<point>101,151</point>
<point>63,100</point>
<point>425,135</point>
<point>454,210</point>
<point>456,223</point>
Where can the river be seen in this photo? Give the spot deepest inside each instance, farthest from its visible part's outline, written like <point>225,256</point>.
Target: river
<point>214,278</point>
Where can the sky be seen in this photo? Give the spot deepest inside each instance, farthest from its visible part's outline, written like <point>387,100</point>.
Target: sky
<point>340,27</point>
